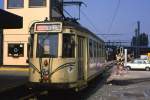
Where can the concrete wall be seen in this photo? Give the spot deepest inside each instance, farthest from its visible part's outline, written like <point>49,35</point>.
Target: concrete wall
<point>21,35</point>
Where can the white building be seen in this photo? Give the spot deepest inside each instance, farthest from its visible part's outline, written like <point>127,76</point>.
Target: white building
<point>15,40</point>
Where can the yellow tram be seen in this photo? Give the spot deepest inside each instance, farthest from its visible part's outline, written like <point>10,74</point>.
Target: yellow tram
<point>64,54</point>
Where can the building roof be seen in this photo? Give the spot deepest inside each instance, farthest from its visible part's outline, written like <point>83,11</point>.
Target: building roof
<point>9,20</point>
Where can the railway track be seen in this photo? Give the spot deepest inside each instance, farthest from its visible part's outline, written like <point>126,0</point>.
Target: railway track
<point>22,92</point>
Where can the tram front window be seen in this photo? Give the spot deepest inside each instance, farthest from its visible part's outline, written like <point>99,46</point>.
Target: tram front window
<point>47,45</point>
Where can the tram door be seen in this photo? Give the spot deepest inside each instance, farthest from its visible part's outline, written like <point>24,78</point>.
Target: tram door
<point>1,47</point>
<point>81,57</point>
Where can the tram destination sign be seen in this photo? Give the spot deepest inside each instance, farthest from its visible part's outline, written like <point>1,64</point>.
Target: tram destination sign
<point>48,27</point>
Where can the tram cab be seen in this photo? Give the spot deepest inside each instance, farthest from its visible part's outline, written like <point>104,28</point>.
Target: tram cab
<point>57,55</point>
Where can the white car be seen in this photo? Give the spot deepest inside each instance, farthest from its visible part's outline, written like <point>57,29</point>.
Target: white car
<point>138,64</point>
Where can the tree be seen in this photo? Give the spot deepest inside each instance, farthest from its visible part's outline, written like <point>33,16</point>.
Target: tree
<point>133,42</point>
<point>141,40</point>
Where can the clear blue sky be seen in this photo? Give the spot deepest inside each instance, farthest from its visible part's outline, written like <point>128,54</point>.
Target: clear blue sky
<point>100,12</point>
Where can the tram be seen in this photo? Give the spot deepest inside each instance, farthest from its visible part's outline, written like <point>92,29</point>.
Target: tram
<point>64,54</point>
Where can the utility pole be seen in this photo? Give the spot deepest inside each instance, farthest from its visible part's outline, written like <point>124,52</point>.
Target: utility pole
<point>138,29</point>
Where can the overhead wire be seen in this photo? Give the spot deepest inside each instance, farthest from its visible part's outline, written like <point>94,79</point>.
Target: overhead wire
<point>68,13</point>
<point>114,17</point>
<point>89,21</point>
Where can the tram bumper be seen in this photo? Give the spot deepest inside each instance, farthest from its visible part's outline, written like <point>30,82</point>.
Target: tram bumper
<point>46,86</point>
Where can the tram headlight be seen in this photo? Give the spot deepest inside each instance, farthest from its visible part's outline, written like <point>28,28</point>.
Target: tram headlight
<point>45,70</point>
<point>45,63</point>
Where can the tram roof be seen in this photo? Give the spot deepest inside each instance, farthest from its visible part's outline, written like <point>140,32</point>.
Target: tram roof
<point>69,23</point>
<point>9,20</point>
<point>78,26</point>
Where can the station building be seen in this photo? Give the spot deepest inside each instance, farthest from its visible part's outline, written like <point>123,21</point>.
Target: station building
<point>8,21</point>
<point>16,40</point>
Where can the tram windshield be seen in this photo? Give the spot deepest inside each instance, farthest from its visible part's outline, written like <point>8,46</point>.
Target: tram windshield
<point>47,45</point>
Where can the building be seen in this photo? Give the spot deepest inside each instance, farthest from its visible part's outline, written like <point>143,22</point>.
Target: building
<point>16,40</point>
<point>8,21</point>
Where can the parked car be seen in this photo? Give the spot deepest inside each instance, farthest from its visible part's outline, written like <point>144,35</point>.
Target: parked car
<point>138,64</point>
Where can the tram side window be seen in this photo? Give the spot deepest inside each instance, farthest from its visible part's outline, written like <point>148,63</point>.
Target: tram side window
<point>90,48</point>
<point>103,50</point>
<point>68,46</point>
<point>47,45</point>
<point>100,54</point>
<point>95,49</point>
<point>15,4</point>
<point>100,47</point>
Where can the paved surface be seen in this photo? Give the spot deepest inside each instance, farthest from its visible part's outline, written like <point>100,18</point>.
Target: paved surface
<point>132,75</point>
<point>12,77</point>
<point>132,85</point>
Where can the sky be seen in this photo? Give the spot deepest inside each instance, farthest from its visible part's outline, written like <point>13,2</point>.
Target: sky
<point>1,3</point>
<point>98,15</point>
<point>101,12</point>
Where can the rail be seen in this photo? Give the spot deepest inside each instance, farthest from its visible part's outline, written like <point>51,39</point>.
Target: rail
<point>22,92</point>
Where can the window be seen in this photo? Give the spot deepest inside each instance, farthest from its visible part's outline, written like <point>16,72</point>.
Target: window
<point>37,3</point>
<point>15,4</point>
<point>100,50</point>
<point>103,50</point>
<point>97,50</point>
<point>139,62</point>
<point>94,48</point>
<point>31,45</point>
<point>47,45</point>
<point>68,46</point>
<point>90,48</point>
<point>15,50</point>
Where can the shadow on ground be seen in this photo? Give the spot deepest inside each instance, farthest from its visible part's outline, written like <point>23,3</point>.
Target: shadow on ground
<point>92,88</point>
<point>130,81</point>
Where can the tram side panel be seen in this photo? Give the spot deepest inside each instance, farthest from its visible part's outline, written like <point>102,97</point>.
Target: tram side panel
<point>96,58</point>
